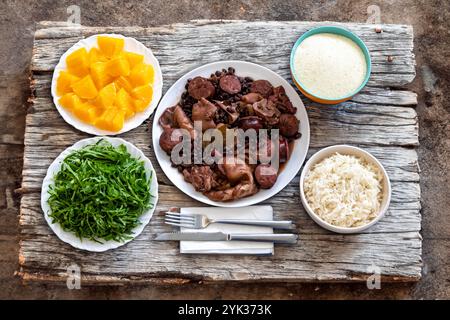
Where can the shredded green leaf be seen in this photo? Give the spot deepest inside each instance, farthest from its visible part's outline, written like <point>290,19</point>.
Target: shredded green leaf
<point>100,193</point>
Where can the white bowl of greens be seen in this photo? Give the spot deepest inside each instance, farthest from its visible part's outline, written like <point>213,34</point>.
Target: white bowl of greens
<point>99,194</point>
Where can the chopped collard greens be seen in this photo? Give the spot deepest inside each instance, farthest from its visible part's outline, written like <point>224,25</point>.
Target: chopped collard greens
<point>100,193</point>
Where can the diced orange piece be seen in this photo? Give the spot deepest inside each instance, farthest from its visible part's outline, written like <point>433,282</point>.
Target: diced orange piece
<point>96,56</point>
<point>108,115</point>
<point>125,103</point>
<point>140,105</point>
<point>133,58</point>
<point>86,112</point>
<point>118,121</point>
<point>96,112</point>
<point>112,119</point>
<point>78,62</point>
<point>142,74</point>
<point>106,96</point>
<point>144,93</point>
<point>78,103</point>
<point>82,114</point>
<point>70,100</point>
<point>118,67</point>
<point>99,75</point>
<point>64,83</point>
<point>123,83</point>
<point>85,88</point>
<point>110,46</point>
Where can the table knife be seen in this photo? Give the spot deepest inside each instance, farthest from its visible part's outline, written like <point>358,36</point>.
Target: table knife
<point>220,236</point>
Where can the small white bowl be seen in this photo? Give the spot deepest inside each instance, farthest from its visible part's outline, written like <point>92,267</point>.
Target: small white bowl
<point>357,152</point>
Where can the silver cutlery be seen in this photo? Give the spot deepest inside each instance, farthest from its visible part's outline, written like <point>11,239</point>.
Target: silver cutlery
<point>220,236</point>
<point>200,221</point>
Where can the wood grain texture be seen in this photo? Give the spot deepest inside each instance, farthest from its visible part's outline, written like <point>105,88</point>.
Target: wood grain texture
<point>382,119</point>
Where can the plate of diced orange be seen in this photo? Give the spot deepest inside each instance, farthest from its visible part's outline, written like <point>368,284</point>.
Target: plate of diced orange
<point>107,84</point>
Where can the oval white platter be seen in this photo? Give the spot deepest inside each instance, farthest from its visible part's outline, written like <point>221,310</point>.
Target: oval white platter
<point>244,69</point>
<point>132,45</point>
<point>70,237</point>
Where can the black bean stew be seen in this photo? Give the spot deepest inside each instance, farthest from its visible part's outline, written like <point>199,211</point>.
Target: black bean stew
<point>227,101</point>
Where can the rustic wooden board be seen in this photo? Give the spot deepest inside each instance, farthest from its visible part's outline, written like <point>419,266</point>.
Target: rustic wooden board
<point>381,119</point>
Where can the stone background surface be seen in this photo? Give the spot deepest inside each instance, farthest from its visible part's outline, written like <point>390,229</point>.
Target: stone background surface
<point>431,22</point>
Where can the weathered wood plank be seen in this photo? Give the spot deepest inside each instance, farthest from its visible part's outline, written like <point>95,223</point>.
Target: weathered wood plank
<point>49,135</point>
<point>48,128</point>
<point>184,46</point>
<point>348,123</point>
<point>339,250</point>
<point>369,95</point>
<point>379,119</point>
<point>400,166</point>
<point>386,96</point>
<point>285,266</point>
<point>403,213</point>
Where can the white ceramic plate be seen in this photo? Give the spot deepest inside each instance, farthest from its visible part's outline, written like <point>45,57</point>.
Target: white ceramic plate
<point>172,97</point>
<point>357,152</point>
<point>70,237</point>
<point>132,45</point>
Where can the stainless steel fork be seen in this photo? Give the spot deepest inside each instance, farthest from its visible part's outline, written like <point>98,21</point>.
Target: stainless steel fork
<point>199,221</point>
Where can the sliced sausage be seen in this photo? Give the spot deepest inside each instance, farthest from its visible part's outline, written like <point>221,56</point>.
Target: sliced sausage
<point>288,125</point>
<point>266,176</point>
<point>263,87</point>
<point>200,87</point>
<point>283,150</point>
<point>230,84</point>
<point>170,138</point>
<point>251,122</point>
<point>166,120</point>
